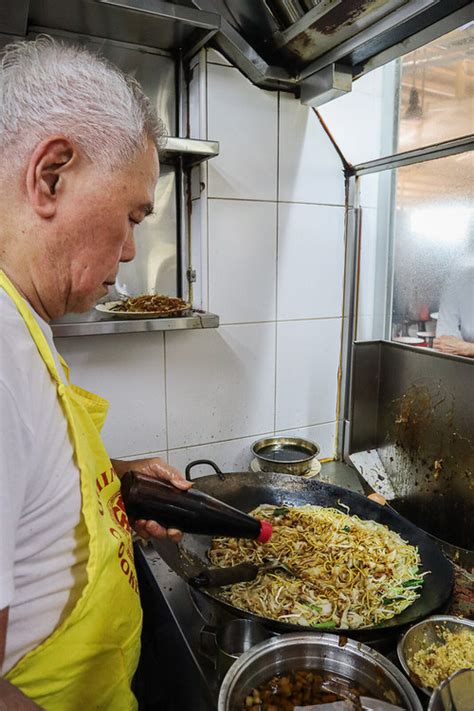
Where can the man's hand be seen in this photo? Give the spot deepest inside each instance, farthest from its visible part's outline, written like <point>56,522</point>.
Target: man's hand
<point>12,699</point>
<point>161,470</point>
<point>454,346</point>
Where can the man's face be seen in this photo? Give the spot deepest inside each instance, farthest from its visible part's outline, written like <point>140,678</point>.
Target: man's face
<point>97,222</point>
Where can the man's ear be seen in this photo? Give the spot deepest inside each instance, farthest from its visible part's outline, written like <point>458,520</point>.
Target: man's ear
<point>50,161</point>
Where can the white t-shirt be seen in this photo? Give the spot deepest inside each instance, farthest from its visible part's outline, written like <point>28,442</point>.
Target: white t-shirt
<point>456,311</point>
<point>43,538</point>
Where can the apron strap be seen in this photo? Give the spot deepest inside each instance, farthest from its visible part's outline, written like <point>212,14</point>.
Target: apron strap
<point>36,333</point>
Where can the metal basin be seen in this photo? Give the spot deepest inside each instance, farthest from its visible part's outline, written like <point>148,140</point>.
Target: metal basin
<point>285,455</point>
<point>319,652</point>
<point>424,634</point>
<point>455,693</point>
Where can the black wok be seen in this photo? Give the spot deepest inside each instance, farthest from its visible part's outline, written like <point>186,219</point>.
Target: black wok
<point>247,490</point>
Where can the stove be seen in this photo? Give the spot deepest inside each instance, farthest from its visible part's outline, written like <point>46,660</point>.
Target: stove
<point>177,669</point>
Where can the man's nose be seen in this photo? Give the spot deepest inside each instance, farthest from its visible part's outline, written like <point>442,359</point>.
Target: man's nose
<point>128,249</point>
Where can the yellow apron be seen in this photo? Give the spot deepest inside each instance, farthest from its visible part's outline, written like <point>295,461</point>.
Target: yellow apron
<point>89,660</point>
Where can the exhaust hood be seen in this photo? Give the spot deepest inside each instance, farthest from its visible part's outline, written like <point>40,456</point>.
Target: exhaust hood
<point>313,48</point>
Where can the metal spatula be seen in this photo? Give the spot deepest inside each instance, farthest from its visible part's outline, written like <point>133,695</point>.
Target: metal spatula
<point>242,573</point>
<point>352,701</point>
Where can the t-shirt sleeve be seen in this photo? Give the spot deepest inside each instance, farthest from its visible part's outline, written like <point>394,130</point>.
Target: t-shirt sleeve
<point>15,453</point>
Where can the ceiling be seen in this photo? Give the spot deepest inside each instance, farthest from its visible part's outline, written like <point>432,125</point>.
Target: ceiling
<point>310,47</point>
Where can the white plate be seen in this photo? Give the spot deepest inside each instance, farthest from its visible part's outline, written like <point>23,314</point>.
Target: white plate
<point>108,308</point>
<point>409,340</point>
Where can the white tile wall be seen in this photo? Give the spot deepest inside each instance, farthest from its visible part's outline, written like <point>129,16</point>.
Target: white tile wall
<point>371,83</point>
<point>307,365</point>
<point>235,455</point>
<point>369,189</point>
<point>211,393</point>
<point>349,118</point>
<point>244,119</point>
<point>220,384</point>
<point>128,370</point>
<point>215,57</point>
<point>310,254</point>
<point>231,456</point>
<point>242,260</point>
<point>361,122</point>
<point>145,455</point>
<point>310,169</point>
<point>368,253</point>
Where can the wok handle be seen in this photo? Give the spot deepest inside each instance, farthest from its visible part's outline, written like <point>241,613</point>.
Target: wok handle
<point>212,464</point>
<point>378,498</point>
<point>218,577</point>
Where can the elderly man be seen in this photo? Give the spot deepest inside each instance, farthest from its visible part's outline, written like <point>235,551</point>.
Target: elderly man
<point>79,164</point>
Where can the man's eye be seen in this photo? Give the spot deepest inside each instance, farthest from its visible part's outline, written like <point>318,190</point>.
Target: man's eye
<point>133,222</point>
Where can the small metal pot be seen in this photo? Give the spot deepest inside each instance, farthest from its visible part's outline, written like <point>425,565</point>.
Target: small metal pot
<point>318,652</point>
<point>455,693</point>
<point>425,633</point>
<point>286,455</point>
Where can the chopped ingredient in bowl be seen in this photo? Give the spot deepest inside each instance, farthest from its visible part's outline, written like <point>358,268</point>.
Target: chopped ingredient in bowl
<point>435,663</point>
<point>285,691</point>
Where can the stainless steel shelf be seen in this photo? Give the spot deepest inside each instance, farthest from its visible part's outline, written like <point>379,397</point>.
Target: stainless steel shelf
<point>191,150</point>
<point>95,324</point>
<point>156,24</point>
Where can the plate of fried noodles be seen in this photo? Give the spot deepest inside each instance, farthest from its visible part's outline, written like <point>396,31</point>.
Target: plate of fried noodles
<point>146,306</point>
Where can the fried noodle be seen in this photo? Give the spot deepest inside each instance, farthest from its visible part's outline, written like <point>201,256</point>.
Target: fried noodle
<point>346,572</point>
<point>152,303</point>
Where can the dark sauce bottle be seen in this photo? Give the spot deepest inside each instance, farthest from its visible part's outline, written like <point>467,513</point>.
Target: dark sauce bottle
<point>191,511</point>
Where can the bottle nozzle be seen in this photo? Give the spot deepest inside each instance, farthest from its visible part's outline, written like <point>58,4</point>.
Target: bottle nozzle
<point>266,531</point>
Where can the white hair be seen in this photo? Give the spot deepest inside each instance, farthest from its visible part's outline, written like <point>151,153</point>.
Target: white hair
<point>48,88</point>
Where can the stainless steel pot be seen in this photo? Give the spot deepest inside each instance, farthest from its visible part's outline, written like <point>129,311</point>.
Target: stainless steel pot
<point>285,455</point>
<point>424,634</point>
<point>455,693</point>
<point>319,652</point>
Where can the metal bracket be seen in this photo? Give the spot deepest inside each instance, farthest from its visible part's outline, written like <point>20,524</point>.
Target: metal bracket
<point>329,83</point>
<point>191,275</point>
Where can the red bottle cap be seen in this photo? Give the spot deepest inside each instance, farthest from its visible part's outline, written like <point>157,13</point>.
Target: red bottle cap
<point>266,531</point>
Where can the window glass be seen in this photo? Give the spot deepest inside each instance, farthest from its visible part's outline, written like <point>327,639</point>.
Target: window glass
<point>416,272</point>
<point>437,91</point>
<point>423,98</point>
<point>433,249</point>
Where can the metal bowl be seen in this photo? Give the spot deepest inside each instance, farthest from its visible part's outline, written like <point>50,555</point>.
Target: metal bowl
<point>455,693</point>
<point>286,455</point>
<point>319,652</point>
<point>423,634</point>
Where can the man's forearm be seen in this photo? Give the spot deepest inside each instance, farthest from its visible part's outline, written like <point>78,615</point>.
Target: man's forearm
<point>12,699</point>
<point>120,467</point>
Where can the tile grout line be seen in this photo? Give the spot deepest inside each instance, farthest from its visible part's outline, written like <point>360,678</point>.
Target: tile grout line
<point>208,289</point>
<point>233,439</point>
<point>282,320</point>
<point>276,264</point>
<point>251,436</point>
<point>278,202</point>
<point>166,393</point>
